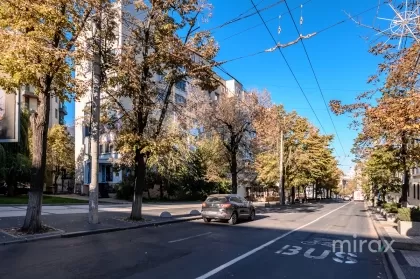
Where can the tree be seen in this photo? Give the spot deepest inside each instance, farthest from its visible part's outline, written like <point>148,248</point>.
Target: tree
<point>381,169</point>
<point>230,119</point>
<point>60,152</point>
<point>153,58</point>
<point>393,120</point>
<point>38,49</point>
<point>308,159</point>
<point>212,153</point>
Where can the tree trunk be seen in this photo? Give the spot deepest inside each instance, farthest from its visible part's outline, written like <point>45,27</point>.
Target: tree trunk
<point>293,194</point>
<point>11,182</point>
<point>314,191</point>
<point>140,182</point>
<point>234,172</point>
<point>304,194</point>
<point>161,190</point>
<point>55,183</point>
<point>39,123</point>
<point>406,183</point>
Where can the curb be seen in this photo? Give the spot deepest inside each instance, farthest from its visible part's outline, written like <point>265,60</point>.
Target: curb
<point>55,204</point>
<point>100,231</point>
<point>26,240</point>
<point>389,256</point>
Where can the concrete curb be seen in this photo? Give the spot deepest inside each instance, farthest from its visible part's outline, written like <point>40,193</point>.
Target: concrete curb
<point>100,231</point>
<point>389,256</point>
<point>26,240</point>
<point>55,204</point>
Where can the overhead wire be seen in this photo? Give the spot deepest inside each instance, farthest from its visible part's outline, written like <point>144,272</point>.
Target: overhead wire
<point>241,17</point>
<point>288,65</point>
<point>320,31</point>
<point>316,79</point>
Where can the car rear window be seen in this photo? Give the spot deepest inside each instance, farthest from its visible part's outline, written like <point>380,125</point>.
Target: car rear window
<point>216,199</point>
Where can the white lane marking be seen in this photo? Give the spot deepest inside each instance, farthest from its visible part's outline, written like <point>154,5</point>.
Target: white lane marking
<point>194,236</point>
<point>235,260</point>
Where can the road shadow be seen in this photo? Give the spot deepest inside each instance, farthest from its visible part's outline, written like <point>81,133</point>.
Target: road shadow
<point>296,208</point>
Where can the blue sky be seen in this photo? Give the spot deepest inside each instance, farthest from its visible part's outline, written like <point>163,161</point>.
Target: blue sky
<point>339,56</point>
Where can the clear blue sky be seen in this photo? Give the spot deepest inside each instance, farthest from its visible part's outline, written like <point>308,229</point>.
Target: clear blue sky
<point>339,56</point>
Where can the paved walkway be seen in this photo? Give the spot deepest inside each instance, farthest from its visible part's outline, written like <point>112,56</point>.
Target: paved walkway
<point>70,219</point>
<point>407,249</point>
<point>16,211</point>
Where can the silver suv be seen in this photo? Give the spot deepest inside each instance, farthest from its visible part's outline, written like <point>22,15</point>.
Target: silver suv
<point>227,207</point>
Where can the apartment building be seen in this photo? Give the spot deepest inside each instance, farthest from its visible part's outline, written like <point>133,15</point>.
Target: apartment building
<point>107,153</point>
<point>29,101</point>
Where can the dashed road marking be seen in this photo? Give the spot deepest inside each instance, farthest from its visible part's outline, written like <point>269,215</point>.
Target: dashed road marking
<point>253,251</point>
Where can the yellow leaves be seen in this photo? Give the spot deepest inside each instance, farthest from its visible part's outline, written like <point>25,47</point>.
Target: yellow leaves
<point>60,148</point>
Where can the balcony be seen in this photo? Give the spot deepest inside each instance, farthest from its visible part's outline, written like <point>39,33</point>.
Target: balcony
<point>28,92</point>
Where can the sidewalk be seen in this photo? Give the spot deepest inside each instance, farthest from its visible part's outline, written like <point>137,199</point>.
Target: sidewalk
<point>72,221</point>
<point>405,261</point>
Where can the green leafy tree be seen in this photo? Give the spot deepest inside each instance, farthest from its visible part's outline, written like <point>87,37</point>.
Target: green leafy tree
<point>60,152</point>
<point>38,49</point>
<point>382,169</point>
<point>308,159</point>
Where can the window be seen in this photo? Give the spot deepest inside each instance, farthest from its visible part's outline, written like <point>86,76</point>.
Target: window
<point>87,131</point>
<point>56,113</point>
<point>414,191</point>
<point>56,99</point>
<point>180,99</point>
<point>216,200</point>
<point>181,85</point>
<point>101,149</point>
<point>418,191</point>
<point>161,95</point>
<point>117,173</point>
<point>106,148</point>
<point>27,103</point>
<point>235,199</point>
<point>107,173</point>
<point>216,96</point>
<point>111,148</point>
<point>87,173</point>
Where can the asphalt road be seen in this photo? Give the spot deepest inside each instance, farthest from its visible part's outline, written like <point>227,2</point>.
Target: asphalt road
<point>287,244</point>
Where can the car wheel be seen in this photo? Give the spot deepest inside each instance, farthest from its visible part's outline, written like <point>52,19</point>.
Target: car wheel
<point>206,220</point>
<point>252,216</point>
<point>233,219</point>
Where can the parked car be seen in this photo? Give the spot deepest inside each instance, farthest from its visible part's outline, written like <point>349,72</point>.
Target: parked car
<point>228,207</point>
<point>347,198</point>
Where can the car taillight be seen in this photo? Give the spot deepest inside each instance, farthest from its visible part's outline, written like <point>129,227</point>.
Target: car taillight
<point>226,205</point>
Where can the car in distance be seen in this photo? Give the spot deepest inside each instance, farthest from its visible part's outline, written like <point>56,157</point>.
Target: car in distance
<point>346,198</point>
<point>229,207</point>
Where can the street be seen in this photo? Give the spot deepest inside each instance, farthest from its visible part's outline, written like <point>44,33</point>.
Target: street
<point>290,244</point>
